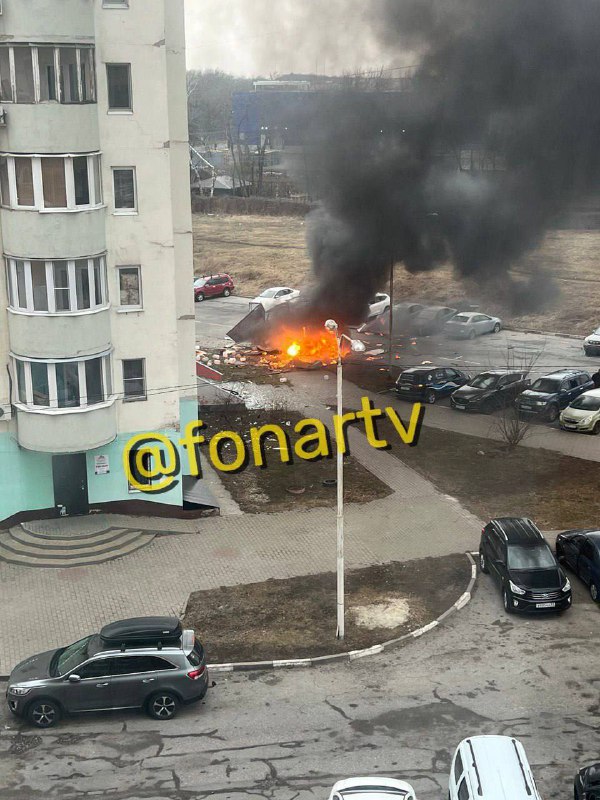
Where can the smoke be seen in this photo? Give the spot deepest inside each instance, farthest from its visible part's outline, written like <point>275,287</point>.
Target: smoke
<point>499,133</point>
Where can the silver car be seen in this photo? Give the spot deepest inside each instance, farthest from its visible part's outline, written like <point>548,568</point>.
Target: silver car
<point>146,662</point>
<point>469,324</point>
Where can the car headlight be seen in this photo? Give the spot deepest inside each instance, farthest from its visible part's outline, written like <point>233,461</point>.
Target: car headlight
<point>19,690</point>
<point>567,586</point>
<point>587,420</point>
<point>516,589</point>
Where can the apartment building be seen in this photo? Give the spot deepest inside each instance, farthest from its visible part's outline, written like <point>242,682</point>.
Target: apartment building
<point>96,301</point>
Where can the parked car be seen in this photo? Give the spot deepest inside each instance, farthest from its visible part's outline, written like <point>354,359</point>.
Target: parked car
<point>432,319</point>
<point>583,414</point>
<point>274,296</point>
<point>548,395</point>
<point>430,383</point>
<point>580,550</point>
<point>587,783</point>
<point>145,662</point>
<point>520,560</point>
<point>403,316</point>
<point>468,325</point>
<point>372,789</point>
<point>489,390</point>
<point>591,344</point>
<point>378,304</point>
<point>491,768</point>
<point>212,286</point>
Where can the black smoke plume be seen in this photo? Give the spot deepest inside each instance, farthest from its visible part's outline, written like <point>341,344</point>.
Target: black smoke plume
<point>515,82</point>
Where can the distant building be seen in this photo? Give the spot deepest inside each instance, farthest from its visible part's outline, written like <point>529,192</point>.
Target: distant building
<point>96,303</point>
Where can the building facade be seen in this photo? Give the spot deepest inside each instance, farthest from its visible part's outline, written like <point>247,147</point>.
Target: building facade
<point>96,302</point>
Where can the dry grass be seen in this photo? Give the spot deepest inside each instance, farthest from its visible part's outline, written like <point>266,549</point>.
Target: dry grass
<point>261,251</point>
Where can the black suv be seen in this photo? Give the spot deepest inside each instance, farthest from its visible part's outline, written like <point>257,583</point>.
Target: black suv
<point>489,390</point>
<point>145,662</point>
<point>518,557</point>
<point>429,383</point>
<point>547,396</point>
<point>587,783</point>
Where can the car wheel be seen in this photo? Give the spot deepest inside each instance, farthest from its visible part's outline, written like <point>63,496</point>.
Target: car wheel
<point>226,293</point>
<point>430,397</point>
<point>162,705</point>
<point>472,334</point>
<point>483,564</point>
<point>497,327</point>
<point>552,414</point>
<point>43,713</point>
<point>594,594</point>
<point>199,297</point>
<point>596,429</point>
<point>506,602</point>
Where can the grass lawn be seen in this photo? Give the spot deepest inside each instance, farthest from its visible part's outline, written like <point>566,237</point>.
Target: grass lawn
<point>296,617</point>
<point>262,251</point>
<point>556,491</point>
<point>280,486</point>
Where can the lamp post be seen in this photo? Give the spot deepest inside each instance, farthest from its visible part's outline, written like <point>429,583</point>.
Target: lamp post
<point>357,346</point>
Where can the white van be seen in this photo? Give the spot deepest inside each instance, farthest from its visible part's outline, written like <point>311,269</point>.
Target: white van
<point>491,768</point>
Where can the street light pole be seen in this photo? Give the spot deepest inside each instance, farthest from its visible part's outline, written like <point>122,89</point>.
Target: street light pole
<point>357,346</point>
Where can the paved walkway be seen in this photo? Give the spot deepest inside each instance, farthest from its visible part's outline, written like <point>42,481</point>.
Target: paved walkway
<point>45,608</point>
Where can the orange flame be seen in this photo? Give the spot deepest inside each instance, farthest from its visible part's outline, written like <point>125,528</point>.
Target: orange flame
<point>293,350</point>
<point>306,345</point>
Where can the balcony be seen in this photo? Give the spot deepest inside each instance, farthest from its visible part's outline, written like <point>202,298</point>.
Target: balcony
<point>67,430</point>
<point>49,128</point>
<point>59,335</point>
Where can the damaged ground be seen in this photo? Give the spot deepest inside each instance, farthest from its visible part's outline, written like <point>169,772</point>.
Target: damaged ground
<point>295,618</point>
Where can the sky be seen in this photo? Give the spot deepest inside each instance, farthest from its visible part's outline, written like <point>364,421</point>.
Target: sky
<point>271,37</point>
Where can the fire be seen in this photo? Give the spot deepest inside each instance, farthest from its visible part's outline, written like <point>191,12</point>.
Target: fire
<point>306,346</point>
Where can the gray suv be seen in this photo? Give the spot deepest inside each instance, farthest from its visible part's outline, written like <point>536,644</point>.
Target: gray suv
<point>145,662</point>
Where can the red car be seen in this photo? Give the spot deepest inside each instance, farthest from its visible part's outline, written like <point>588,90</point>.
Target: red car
<point>212,285</point>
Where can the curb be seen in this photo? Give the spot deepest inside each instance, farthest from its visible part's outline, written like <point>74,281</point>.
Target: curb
<point>543,333</point>
<point>352,655</point>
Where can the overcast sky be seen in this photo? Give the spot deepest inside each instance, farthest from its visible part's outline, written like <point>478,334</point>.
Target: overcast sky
<point>269,37</point>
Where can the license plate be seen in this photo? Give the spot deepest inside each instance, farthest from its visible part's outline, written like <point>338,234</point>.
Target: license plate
<point>527,408</point>
<point>405,388</point>
<point>545,605</point>
<point>458,405</point>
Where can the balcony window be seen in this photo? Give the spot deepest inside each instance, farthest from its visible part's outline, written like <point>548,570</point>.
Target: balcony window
<point>118,77</point>
<point>57,286</point>
<point>50,183</point>
<point>124,189</point>
<point>130,290</point>
<point>30,74</point>
<point>23,64</point>
<point>134,379</point>
<point>63,384</point>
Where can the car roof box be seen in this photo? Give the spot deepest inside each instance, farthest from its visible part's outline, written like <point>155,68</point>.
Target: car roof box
<point>142,630</point>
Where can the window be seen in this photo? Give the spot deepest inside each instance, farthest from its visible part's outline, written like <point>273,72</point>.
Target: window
<point>47,74</point>
<point>463,790</point>
<point>118,77</point>
<point>51,182</point>
<point>57,286</point>
<point>99,668</point>
<point>23,74</point>
<point>130,295</point>
<point>134,379</point>
<point>53,179</point>
<point>124,188</point>
<point>24,182</point>
<point>63,384</point>
<point>458,768</point>
<point>132,665</point>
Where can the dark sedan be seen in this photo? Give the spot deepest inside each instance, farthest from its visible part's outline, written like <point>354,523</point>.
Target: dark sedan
<point>587,783</point>
<point>580,550</point>
<point>489,391</point>
<point>429,383</point>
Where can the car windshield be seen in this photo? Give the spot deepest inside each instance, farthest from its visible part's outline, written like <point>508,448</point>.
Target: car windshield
<point>269,292</point>
<point>586,403</point>
<point>546,385</point>
<point>484,381</point>
<point>460,318</point>
<point>521,557</point>
<point>71,656</point>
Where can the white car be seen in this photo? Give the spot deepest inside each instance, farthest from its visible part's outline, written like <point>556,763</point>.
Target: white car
<point>273,297</point>
<point>378,304</point>
<point>583,414</point>
<point>469,324</point>
<point>591,344</point>
<point>372,789</point>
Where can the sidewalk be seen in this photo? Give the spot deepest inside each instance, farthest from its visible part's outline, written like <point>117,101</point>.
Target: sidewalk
<point>55,607</point>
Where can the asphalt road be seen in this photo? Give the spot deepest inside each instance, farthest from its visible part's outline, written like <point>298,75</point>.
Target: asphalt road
<point>289,735</point>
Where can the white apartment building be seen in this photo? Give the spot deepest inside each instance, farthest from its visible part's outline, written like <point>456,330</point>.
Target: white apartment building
<point>96,301</point>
